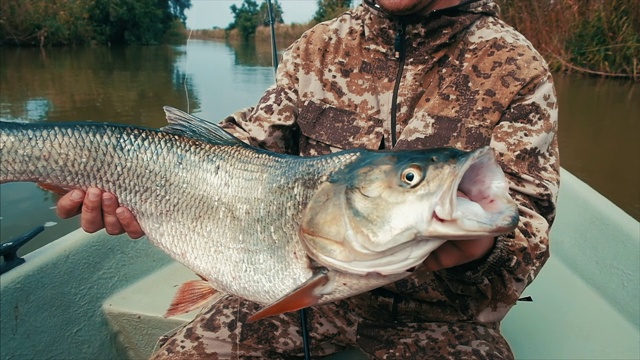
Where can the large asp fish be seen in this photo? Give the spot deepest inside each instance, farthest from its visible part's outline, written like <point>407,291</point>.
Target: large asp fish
<point>283,231</point>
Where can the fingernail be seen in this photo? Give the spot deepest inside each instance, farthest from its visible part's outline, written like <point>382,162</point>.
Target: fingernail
<point>107,199</point>
<point>94,195</point>
<point>76,195</point>
<point>120,212</point>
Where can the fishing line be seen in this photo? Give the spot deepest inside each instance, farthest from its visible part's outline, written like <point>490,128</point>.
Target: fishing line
<point>238,330</point>
<point>162,340</point>
<point>186,70</point>
<point>274,60</point>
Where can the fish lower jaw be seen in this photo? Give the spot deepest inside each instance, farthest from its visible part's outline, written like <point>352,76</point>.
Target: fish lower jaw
<point>468,219</point>
<point>471,228</point>
<point>385,264</point>
<point>458,207</point>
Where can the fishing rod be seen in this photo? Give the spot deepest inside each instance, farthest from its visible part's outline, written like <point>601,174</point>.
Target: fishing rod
<point>274,61</point>
<point>274,51</point>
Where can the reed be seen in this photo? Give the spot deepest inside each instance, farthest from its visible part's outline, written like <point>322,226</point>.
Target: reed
<point>599,37</point>
<point>589,36</point>
<point>286,34</point>
<point>594,37</point>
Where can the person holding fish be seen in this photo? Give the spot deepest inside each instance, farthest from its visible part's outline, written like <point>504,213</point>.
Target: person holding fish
<point>393,75</point>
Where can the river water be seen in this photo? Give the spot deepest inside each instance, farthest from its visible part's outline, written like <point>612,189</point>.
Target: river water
<point>599,119</point>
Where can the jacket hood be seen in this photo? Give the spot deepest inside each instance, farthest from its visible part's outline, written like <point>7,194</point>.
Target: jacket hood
<point>424,34</point>
<point>487,7</point>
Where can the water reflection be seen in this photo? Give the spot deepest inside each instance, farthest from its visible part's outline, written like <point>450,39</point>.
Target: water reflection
<point>251,53</point>
<point>598,136</point>
<point>223,85</point>
<point>599,120</point>
<point>119,84</point>
<point>116,84</point>
<point>37,109</point>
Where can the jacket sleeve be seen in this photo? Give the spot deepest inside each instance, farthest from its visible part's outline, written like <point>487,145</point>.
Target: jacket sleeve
<point>525,143</point>
<point>271,124</point>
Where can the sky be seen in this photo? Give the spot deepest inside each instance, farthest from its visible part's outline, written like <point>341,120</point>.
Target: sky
<point>205,14</point>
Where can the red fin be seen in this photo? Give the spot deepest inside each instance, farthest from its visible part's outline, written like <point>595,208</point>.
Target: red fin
<point>301,297</point>
<point>56,189</point>
<point>191,295</point>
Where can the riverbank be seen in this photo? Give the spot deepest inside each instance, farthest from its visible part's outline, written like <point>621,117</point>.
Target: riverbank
<point>49,23</point>
<point>285,34</point>
<point>589,37</point>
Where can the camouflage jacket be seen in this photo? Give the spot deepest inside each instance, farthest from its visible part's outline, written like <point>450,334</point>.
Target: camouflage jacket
<point>460,78</point>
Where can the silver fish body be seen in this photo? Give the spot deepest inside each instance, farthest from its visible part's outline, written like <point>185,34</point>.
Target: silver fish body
<point>258,224</point>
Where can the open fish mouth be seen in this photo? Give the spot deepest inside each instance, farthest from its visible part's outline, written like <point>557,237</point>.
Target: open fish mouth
<point>478,204</point>
<point>461,196</point>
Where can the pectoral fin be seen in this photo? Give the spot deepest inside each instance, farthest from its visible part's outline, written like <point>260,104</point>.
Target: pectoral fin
<point>191,295</point>
<point>303,296</point>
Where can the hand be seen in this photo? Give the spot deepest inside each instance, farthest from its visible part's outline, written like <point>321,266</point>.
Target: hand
<point>99,210</point>
<point>457,252</point>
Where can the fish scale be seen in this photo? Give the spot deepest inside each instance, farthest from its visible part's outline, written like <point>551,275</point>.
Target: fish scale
<point>275,229</point>
<point>179,189</point>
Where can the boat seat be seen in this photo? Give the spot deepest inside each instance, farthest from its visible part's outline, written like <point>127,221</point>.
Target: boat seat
<point>136,313</point>
<point>567,318</point>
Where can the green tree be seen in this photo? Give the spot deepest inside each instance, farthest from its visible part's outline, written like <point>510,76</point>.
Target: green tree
<point>64,22</point>
<point>246,18</point>
<point>136,21</point>
<point>249,16</point>
<point>329,9</point>
<point>263,13</point>
<point>33,22</point>
<point>177,8</point>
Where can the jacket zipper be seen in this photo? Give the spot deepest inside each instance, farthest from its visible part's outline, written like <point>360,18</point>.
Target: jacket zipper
<point>399,54</point>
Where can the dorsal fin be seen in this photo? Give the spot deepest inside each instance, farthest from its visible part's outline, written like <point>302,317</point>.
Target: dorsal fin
<point>181,123</point>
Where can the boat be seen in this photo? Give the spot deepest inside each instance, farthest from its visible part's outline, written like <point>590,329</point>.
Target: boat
<point>95,296</point>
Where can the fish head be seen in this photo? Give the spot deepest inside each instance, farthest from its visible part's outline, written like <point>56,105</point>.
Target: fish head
<point>387,211</point>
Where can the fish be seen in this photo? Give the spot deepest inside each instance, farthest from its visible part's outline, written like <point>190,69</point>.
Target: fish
<point>284,231</point>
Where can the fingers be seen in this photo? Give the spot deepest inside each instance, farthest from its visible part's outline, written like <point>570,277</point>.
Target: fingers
<point>69,205</point>
<point>458,252</point>
<point>445,256</point>
<point>91,219</point>
<point>99,210</point>
<point>129,223</point>
<point>111,222</point>
<point>474,249</point>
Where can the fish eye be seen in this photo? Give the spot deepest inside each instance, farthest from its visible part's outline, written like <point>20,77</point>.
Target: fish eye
<point>412,175</point>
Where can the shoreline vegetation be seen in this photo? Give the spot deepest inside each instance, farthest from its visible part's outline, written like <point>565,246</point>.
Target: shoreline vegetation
<point>596,38</point>
<point>592,37</point>
<point>91,22</point>
<point>286,34</point>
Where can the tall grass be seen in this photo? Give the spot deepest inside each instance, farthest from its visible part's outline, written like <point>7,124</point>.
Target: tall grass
<point>286,34</point>
<point>597,37</point>
<point>600,37</point>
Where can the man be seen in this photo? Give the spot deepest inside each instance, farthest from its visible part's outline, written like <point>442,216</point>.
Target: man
<point>397,74</point>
